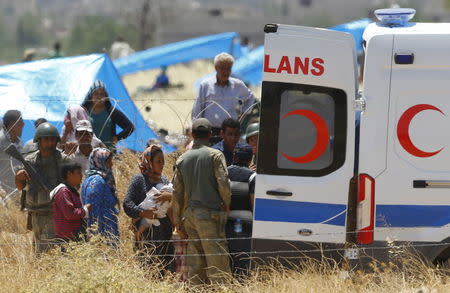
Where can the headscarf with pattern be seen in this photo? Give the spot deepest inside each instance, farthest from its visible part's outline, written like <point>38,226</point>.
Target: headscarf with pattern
<point>145,159</point>
<point>87,103</point>
<point>97,166</point>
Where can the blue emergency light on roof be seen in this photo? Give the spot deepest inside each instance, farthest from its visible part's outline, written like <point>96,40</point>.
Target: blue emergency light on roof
<point>395,16</point>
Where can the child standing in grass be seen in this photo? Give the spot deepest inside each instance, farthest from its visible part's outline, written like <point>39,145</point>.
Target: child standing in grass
<point>68,212</point>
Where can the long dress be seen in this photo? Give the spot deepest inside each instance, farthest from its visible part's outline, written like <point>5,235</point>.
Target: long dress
<point>104,213</point>
<point>153,239</point>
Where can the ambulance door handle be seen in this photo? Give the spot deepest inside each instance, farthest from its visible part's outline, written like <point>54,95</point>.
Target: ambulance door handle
<point>431,183</point>
<point>278,193</point>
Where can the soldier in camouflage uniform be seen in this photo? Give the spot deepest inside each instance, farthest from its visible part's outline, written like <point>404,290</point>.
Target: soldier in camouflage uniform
<point>47,161</point>
<point>201,199</point>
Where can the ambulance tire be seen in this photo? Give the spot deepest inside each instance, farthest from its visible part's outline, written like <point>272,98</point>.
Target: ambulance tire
<point>443,260</point>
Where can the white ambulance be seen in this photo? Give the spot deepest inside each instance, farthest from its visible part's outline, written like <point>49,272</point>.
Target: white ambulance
<point>336,167</point>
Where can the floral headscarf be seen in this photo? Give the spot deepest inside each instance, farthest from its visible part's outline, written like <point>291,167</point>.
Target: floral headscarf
<point>145,159</point>
<point>97,166</point>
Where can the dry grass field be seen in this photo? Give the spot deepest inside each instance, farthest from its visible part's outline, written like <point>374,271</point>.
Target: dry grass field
<point>94,267</point>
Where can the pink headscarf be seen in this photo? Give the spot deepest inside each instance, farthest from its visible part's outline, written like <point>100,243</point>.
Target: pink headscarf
<point>76,113</point>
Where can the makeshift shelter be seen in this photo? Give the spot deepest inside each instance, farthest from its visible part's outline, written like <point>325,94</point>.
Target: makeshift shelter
<point>356,29</point>
<point>198,48</point>
<point>45,88</point>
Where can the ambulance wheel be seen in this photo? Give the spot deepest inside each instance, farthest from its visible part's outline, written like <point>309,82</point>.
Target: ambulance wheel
<point>443,260</point>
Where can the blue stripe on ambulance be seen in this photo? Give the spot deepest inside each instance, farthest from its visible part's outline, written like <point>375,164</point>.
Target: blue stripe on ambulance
<point>299,212</point>
<point>334,214</point>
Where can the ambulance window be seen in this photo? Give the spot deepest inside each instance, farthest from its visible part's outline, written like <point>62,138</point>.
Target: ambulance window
<point>303,130</point>
<point>305,137</point>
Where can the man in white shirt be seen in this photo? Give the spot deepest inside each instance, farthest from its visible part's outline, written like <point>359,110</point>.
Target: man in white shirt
<point>222,96</point>
<point>84,135</point>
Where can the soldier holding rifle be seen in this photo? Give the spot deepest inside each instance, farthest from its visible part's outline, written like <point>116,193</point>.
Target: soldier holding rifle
<point>42,173</point>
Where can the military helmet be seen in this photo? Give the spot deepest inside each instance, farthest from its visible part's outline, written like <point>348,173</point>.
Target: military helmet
<point>46,130</point>
<point>252,129</point>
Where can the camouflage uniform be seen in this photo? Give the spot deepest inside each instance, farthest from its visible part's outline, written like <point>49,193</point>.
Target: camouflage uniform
<point>201,190</point>
<point>38,200</point>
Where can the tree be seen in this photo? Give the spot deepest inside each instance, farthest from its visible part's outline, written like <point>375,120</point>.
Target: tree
<point>148,23</point>
<point>29,31</point>
<point>94,34</point>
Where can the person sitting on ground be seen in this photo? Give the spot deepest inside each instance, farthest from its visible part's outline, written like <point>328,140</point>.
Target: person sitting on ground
<point>30,145</point>
<point>99,190</point>
<point>68,212</point>
<point>105,117</point>
<point>230,134</point>
<point>239,224</point>
<point>86,142</point>
<point>147,237</point>
<point>162,80</point>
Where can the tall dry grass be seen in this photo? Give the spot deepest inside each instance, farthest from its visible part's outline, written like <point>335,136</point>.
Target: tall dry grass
<point>95,267</point>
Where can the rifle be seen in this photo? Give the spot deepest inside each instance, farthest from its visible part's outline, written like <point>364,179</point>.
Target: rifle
<point>12,151</point>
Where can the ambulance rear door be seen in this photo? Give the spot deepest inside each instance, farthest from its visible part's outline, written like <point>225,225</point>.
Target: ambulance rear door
<point>307,132</point>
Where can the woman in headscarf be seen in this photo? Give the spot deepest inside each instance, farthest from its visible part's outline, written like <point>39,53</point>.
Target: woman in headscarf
<point>99,190</point>
<point>74,114</point>
<point>151,240</point>
<point>106,116</point>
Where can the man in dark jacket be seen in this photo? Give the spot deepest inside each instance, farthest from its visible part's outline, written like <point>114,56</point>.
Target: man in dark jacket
<point>230,133</point>
<point>239,224</point>
<point>105,116</point>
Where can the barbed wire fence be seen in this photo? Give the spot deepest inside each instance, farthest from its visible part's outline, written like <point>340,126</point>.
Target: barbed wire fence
<point>51,103</point>
<point>183,124</point>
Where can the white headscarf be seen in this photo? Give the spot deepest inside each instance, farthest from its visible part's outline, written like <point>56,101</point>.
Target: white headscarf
<point>77,113</point>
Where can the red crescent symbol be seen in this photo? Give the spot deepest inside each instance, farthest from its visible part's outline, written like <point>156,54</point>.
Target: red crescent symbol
<point>322,138</point>
<point>403,130</point>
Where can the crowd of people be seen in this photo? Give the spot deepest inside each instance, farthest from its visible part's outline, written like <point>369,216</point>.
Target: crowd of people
<point>69,193</point>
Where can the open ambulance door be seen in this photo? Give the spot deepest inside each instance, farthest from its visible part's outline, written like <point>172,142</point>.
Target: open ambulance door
<point>307,137</point>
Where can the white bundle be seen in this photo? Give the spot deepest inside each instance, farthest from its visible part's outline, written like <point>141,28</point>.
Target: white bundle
<point>150,203</point>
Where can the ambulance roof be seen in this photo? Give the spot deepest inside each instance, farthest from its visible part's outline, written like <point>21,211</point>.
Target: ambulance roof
<point>410,28</point>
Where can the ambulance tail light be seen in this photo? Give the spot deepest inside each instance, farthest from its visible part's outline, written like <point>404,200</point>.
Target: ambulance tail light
<point>365,209</point>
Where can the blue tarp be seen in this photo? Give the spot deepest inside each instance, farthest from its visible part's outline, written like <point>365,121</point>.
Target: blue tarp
<point>184,51</point>
<point>46,88</point>
<point>249,67</point>
<point>356,29</point>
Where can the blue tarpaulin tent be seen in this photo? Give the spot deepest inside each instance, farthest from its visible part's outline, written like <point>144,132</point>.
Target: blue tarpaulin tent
<point>184,51</point>
<point>46,88</point>
<point>356,29</point>
<point>249,67</point>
